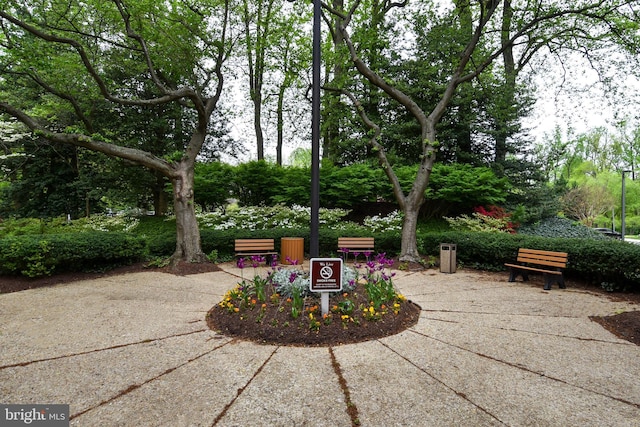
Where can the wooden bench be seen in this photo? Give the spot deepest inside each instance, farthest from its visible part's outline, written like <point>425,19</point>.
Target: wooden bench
<point>347,245</point>
<point>255,247</point>
<point>550,264</point>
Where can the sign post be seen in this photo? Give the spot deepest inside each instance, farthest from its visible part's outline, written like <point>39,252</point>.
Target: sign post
<point>326,276</point>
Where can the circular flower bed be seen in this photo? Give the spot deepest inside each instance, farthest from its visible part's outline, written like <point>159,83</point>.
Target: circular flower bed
<point>280,309</point>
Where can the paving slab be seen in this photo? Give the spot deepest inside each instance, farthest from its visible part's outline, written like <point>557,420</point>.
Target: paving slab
<point>135,350</point>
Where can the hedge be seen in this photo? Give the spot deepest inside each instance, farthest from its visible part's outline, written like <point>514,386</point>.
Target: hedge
<point>41,255</point>
<point>612,264</point>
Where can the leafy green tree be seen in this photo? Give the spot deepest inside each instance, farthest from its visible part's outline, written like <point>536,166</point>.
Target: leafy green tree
<point>293,184</point>
<point>300,157</point>
<point>257,18</point>
<point>54,180</point>
<point>291,60</point>
<point>256,183</point>
<point>534,28</point>
<point>61,59</point>
<point>343,187</point>
<point>209,184</point>
<point>585,202</point>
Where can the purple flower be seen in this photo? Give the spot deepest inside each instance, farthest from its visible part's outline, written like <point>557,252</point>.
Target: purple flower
<point>256,260</point>
<point>293,277</point>
<point>240,263</point>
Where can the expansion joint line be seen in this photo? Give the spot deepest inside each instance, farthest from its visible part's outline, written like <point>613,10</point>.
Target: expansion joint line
<point>137,386</point>
<point>456,392</point>
<point>523,368</point>
<point>98,350</point>
<point>352,409</point>
<point>243,388</point>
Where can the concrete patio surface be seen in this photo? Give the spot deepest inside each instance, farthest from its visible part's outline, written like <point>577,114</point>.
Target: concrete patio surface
<point>135,350</point>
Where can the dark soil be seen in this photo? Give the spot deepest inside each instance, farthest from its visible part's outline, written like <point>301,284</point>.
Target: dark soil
<point>20,283</point>
<point>274,324</point>
<point>625,325</point>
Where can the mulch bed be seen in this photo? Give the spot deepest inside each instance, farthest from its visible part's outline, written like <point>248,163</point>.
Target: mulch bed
<point>21,283</point>
<point>274,326</point>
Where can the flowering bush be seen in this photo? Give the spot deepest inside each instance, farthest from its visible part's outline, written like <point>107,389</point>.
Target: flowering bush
<point>495,219</point>
<point>262,218</point>
<point>100,222</point>
<point>391,222</point>
<point>291,281</point>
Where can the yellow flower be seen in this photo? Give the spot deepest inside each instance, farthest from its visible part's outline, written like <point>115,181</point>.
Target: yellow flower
<point>311,316</point>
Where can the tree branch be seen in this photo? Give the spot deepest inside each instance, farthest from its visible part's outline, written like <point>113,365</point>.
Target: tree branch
<point>132,154</point>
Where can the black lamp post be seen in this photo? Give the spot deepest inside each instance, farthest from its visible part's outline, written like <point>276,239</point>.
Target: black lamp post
<point>623,214</point>
<point>314,242</point>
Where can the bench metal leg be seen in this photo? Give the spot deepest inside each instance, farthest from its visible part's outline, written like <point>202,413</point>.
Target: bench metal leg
<point>514,273</point>
<point>550,279</point>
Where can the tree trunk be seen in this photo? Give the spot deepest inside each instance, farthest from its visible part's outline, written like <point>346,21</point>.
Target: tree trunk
<point>188,247</point>
<point>510,74</point>
<point>160,201</point>
<point>257,122</point>
<point>409,244</point>
<point>280,123</point>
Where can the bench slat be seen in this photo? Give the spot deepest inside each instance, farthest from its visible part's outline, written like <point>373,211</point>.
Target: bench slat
<point>524,267</point>
<point>243,245</point>
<point>540,261</point>
<point>355,242</point>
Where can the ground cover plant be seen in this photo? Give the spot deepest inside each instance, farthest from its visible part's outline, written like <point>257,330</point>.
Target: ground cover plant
<point>280,309</point>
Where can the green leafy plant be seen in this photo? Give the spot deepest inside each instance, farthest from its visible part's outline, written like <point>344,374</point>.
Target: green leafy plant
<point>36,263</point>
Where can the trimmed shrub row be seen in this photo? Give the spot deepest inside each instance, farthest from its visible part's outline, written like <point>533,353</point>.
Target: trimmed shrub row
<point>609,263</point>
<point>42,255</point>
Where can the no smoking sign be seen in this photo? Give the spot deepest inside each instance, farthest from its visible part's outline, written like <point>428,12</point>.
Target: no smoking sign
<point>326,275</point>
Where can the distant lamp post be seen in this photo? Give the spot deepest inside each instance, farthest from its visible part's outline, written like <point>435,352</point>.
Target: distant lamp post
<point>623,215</point>
<point>314,242</point>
